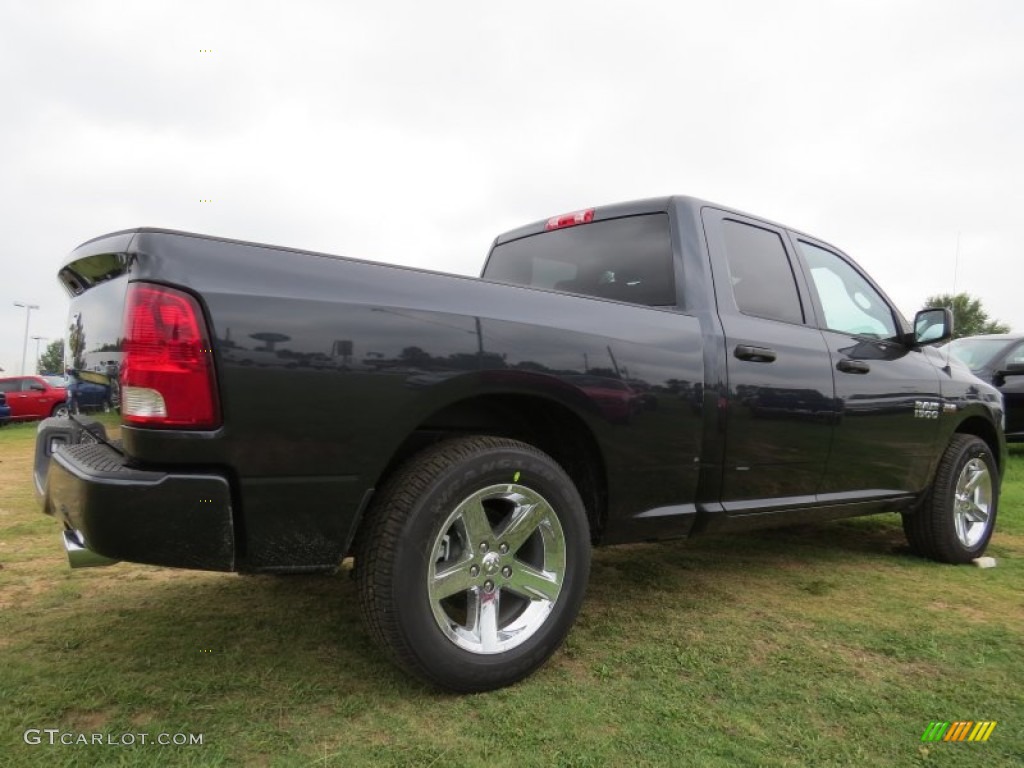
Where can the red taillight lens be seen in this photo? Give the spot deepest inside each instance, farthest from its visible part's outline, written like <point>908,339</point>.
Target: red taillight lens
<point>570,219</point>
<point>167,375</point>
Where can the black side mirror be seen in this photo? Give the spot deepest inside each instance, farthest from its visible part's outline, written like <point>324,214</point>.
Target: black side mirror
<point>932,326</point>
<point>37,387</point>
<point>1012,369</point>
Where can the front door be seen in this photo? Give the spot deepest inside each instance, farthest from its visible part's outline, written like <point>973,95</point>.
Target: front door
<point>1012,387</point>
<point>33,399</point>
<point>888,394</point>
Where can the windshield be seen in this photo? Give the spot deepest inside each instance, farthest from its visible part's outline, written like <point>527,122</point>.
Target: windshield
<point>56,381</point>
<point>977,353</point>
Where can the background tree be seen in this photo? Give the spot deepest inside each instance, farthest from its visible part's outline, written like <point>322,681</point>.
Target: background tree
<point>52,359</point>
<point>969,317</point>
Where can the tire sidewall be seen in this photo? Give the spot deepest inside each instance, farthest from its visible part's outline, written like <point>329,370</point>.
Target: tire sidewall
<point>455,667</point>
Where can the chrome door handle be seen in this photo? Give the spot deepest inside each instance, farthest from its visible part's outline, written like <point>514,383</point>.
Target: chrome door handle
<point>853,366</point>
<point>754,354</point>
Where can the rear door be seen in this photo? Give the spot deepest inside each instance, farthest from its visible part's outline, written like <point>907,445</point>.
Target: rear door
<point>24,401</point>
<point>780,406</point>
<point>888,394</point>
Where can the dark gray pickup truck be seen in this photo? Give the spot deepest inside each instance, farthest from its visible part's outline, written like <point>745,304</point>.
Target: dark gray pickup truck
<point>633,372</point>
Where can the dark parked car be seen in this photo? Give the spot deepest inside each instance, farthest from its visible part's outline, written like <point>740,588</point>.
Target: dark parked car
<point>5,410</point>
<point>86,395</point>
<point>999,359</point>
<point>34,397</point>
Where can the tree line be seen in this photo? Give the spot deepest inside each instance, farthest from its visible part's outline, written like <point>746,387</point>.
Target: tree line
<point>969,316</point>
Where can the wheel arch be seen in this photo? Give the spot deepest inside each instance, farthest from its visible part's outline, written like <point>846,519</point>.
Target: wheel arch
<point>984,429</point>
<point>544,423</point>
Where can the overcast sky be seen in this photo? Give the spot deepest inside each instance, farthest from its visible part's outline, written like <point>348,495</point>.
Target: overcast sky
<point>413,132</point>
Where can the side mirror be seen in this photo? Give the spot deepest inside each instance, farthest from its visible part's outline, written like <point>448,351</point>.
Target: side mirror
<point>37,387</point>
<point>932,326</point>
<point>1012,369</point>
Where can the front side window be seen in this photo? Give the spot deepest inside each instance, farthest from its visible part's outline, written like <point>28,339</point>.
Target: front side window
<point>627,259</point>
<point>850,304</point>
<point>762,277</point>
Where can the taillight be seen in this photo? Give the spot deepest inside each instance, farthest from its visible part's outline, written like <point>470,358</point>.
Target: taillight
<point>167,374</point>
<point>570,219</point>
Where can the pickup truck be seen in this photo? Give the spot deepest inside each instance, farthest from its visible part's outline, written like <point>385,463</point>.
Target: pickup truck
<point>635,372</point>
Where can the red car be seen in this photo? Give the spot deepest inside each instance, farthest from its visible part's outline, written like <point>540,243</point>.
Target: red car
<point>33,397</point>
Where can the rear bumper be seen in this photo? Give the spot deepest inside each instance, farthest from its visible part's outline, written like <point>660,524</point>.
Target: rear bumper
<point>175,519</point>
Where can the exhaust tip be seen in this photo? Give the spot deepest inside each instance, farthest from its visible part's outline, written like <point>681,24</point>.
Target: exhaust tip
<point>79,555</point>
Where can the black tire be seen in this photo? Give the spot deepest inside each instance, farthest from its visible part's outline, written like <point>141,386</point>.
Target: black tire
<point>420,539</point>
<point>956,519</point>
<point>60,411</point>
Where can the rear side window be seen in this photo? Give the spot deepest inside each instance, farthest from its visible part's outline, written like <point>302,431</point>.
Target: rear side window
<point>762,277</point>
<point>10,385</point>
<point>627,259</point>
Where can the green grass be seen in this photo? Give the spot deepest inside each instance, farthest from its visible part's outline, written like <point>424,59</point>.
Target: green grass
<point>823,645</point>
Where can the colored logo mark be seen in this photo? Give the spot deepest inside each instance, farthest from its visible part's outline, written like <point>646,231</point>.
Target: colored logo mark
<point>961,730</point>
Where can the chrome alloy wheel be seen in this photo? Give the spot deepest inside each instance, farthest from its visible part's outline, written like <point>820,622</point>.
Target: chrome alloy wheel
<point>496,569</point>
<point>972,502</point>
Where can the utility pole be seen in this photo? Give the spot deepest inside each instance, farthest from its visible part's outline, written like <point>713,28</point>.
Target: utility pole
<point>28,314</point>
<point>38,339</point>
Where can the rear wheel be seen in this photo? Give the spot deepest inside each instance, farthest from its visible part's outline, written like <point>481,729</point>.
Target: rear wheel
<point>60,411</point>
<point>956,520</point>
<point>473,561</point>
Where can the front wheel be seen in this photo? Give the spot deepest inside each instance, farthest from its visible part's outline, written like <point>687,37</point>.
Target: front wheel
<point>473,562</point>
<point>60,411</point>
<point>956,520</point>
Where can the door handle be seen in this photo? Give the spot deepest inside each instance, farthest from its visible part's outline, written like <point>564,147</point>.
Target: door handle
<point>853,366</point>
<point>754,354</point>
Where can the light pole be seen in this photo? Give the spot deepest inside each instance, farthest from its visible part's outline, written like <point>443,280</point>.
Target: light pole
<point>28,313</point>
<point>38,339</point>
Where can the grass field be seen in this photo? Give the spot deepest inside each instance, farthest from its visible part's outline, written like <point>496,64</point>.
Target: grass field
<point>820,646</point>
